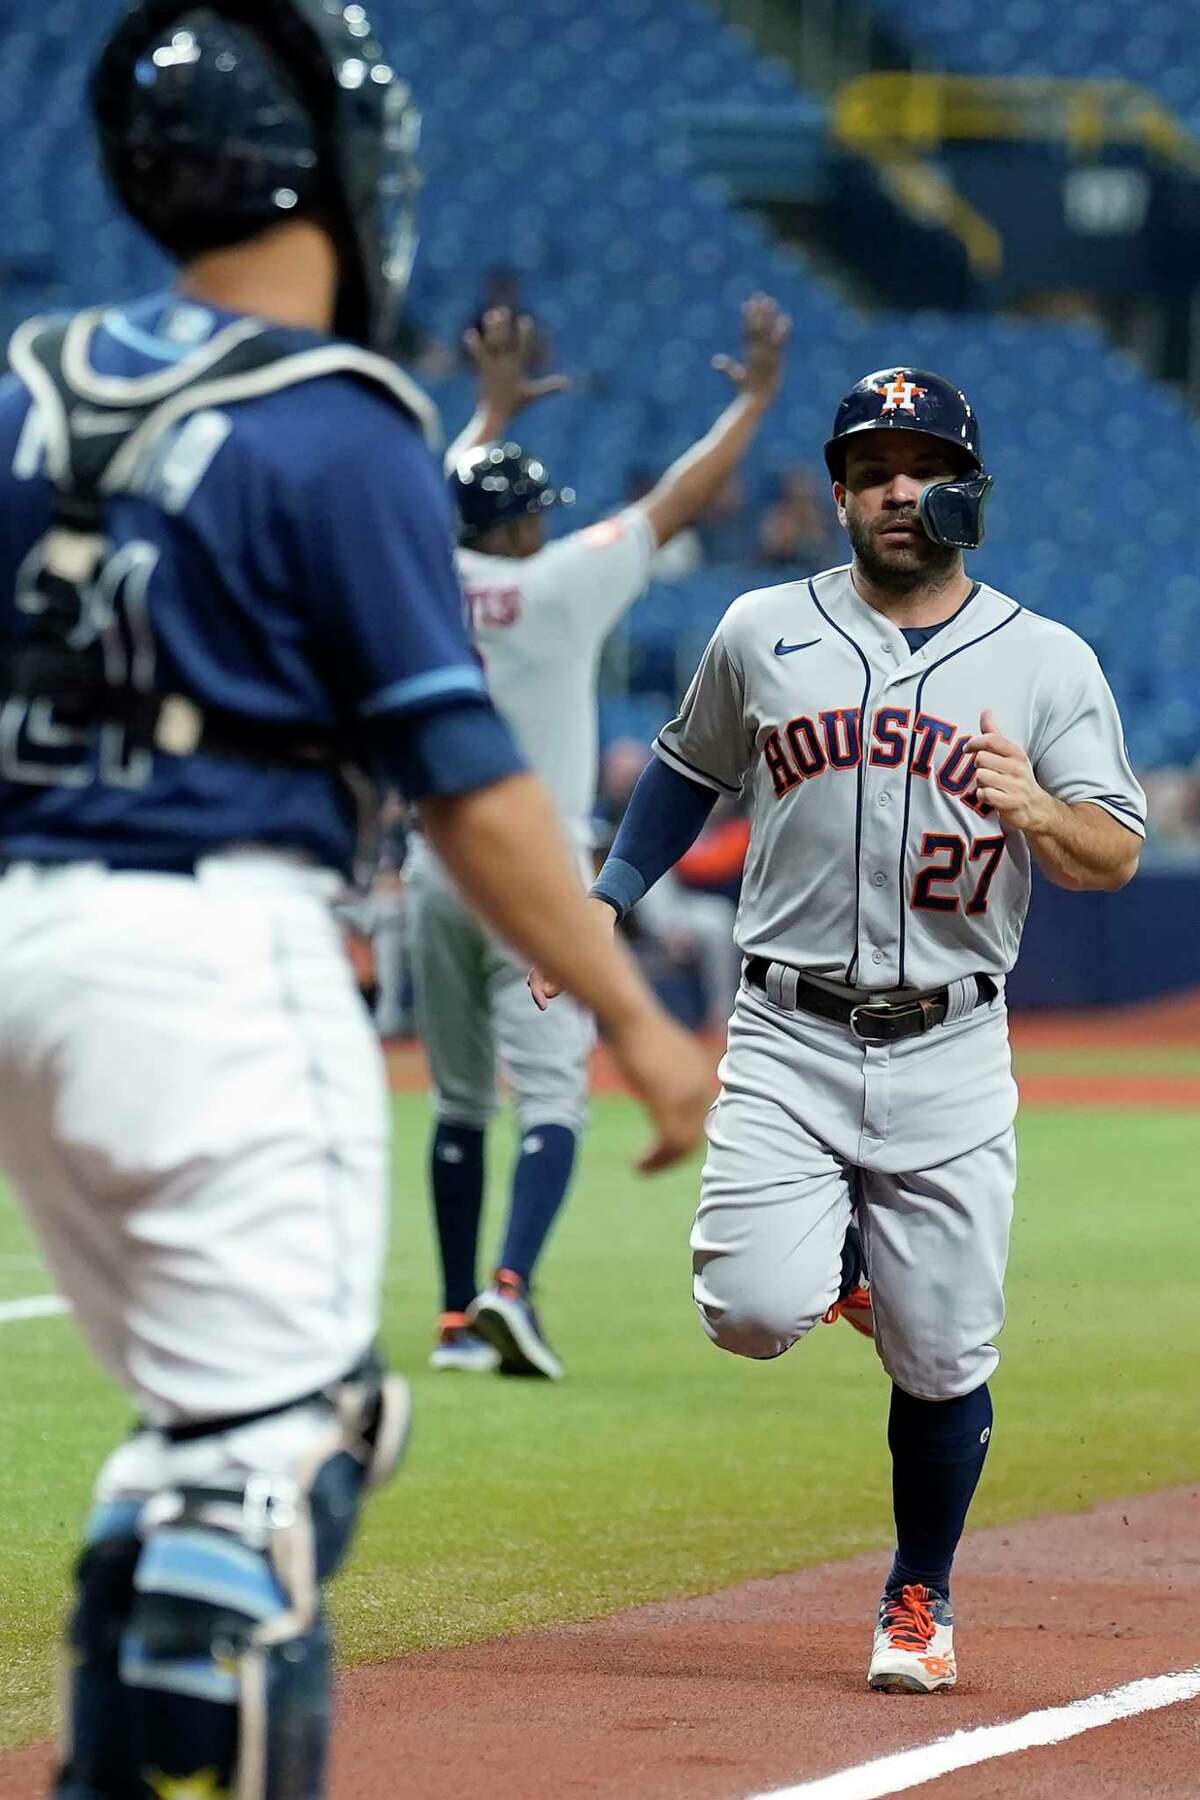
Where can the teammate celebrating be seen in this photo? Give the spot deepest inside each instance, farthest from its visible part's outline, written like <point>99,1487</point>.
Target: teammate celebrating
<point>540,613</point>
<point>212,602</point>
<point>910,740</point>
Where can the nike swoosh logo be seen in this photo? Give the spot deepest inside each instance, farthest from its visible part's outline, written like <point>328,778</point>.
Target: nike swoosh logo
<point>782,649</point>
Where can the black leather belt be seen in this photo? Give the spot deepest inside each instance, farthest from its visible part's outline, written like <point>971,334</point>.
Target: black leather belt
<point>872,1021</point>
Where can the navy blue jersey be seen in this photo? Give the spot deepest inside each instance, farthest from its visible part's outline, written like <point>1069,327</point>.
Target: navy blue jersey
<point>290,559</point>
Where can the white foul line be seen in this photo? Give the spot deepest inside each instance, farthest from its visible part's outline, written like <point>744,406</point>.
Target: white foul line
<point>912,1768</point>
<point>37,1306</point>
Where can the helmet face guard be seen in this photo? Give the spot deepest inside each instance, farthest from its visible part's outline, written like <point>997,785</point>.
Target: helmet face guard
<point>219,120</point>
<point>951,511</point>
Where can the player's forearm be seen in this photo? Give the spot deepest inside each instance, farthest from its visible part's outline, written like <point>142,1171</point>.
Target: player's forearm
<point>486,423</point>
<point>504,848</point>
<point>1083,847</point>
<point>692,481</point>
<point>665,816</point>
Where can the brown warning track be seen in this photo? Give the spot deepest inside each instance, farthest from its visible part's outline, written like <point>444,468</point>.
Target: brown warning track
<point>1163,1024</point>
<point>1136,1093</point>
<point>762,1685</point>
<point>1158,1023</point>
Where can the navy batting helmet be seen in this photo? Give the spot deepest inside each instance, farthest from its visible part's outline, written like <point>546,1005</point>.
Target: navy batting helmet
<point>218,120</point>
<point>497,483</point>
<point>917,400</point>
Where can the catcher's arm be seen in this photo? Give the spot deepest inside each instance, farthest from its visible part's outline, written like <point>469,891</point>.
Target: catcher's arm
<point>503,846</point>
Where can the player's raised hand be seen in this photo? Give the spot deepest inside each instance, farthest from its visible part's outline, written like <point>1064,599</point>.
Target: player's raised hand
<point>1005,779</point>
<point>766,329</point>
<point>501,351</point>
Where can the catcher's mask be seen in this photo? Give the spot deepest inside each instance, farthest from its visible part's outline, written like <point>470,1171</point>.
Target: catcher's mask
<point>217,121</point>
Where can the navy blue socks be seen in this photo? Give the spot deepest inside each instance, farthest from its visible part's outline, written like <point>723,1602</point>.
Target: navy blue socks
<point>456,1178</point>
<point>540,1182</point>
<point>938,1449</point>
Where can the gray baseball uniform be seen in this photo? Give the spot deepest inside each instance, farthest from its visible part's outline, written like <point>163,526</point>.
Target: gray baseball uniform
<point>540,623</point>
<point>874,866</point>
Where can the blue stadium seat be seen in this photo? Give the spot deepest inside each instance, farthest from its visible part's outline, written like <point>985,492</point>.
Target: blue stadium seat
<point>546,148</point>
<point>1109,39</point>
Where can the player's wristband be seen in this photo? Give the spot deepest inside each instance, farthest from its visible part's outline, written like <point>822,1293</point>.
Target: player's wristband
<point>618,884</point>
<point>665,816</point>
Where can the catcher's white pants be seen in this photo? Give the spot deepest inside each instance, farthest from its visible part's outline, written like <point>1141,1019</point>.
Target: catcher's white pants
<point>193,1111</point>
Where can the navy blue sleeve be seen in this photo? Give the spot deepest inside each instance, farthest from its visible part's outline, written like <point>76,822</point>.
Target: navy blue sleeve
<point>378,559</point>
<point>450,748</point>
<point>665,816</point>
<point>24,507</point>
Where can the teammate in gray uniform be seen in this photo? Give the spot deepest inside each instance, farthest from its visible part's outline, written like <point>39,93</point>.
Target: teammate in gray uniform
<point>911,740</point>
<point>540,613</point>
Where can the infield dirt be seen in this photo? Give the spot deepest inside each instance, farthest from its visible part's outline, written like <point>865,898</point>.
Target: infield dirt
<point>762,1685</point>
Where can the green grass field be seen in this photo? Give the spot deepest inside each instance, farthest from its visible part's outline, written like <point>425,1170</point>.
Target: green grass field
<point>660,1466</point>
<point>1132,1059</point>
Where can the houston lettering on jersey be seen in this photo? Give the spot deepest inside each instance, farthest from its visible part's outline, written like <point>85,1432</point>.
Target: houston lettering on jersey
<point>933,749</point>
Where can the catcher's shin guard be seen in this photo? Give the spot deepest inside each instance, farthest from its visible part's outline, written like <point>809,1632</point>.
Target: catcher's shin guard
<point>101,1758</point>
<point>209,1663</point>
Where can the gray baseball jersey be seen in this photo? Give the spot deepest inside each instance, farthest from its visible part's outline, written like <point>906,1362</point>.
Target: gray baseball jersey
<point>540,623</point>
<point>872,860</point>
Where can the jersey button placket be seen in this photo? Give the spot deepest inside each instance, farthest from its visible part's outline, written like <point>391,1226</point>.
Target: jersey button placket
<point>883,812</point>
<point>878,924</point>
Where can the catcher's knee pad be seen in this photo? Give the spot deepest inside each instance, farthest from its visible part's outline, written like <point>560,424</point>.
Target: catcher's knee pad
<point>227,1652</point>
<point>224,1659</point>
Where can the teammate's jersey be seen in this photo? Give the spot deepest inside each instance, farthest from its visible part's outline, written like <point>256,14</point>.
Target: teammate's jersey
<point>540,623</point>
<point>872,860</point>
<point>289,557</point>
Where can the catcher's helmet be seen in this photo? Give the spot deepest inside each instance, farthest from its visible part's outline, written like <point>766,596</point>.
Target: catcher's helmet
<point>916,400</point>
<point>497,483</point>
<point>218,120</point>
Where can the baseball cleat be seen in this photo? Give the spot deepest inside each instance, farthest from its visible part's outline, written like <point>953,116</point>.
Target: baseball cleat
<point>458,1347</point>
<point>855,1308</point>
<point>504,1315</point>
<point>913,1652</point>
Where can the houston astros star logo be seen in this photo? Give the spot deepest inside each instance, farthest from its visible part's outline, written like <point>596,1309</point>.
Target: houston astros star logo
<point>899,393</point>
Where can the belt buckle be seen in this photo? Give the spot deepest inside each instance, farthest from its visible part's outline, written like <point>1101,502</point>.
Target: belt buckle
<point>867,1006</point>
<point>922,1012</point>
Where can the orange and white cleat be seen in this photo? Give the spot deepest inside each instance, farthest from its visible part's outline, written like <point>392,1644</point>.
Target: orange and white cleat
<point>458,1347</point>
<point>913,1651</point>
<point>504,1315</point>
<point>855,1308</point>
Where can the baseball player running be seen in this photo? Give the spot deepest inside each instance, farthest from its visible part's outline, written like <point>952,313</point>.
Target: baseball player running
<point>540,613</point>
<point>911,740</point>
<point>226,569</point>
